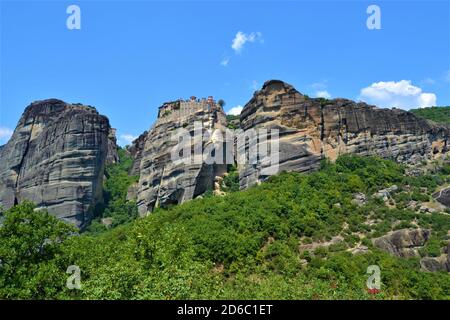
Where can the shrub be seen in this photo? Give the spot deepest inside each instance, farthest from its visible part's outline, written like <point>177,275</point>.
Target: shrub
<point>29,240</point>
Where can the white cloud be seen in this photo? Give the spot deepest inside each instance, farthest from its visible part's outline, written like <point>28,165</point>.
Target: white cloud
<point>427,100</point>
<point>400,94</point>
<point>254,85</point>
<point>235,111</point>
<point>5,134</point>
<point>429,81</point>
<point>322,85</point>
<point>241,38</point>
<point>320,89</point>
<point>447,76</point>
<point>126,139</point>
<point>323,94</point>
<point>225,61</point>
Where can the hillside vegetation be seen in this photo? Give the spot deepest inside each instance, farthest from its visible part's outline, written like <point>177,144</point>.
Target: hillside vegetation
<point>245,245</point>
<point>436,114</point>
<point>116,209</point>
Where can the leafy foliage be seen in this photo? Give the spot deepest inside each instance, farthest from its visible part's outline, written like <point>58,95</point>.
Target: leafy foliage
<point>233,121</point>
<point>231,180</point>
<point>116,206</point>
<point>29,239</point>
<point>245,245</point>
<point>436,114</point>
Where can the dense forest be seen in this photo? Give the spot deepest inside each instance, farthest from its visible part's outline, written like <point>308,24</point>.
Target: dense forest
<point>244,245</point>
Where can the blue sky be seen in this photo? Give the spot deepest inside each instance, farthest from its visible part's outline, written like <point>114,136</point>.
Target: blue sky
<point>130,57</point>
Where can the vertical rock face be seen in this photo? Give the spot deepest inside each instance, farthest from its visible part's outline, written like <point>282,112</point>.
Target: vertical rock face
<point>55,158</point>
<point>311,129</point>
<point>112,156</point>
<point>164,181</point>
<point>135,150</point>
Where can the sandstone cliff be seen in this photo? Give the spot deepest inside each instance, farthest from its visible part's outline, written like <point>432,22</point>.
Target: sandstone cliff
<point>135,150</point>
<point>58,150</point>
<point>113,155</point>
<point>312,129</point>
<point>162,180</point>
<point>55,158</point>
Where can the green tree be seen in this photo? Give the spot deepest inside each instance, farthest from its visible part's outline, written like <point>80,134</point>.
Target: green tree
<point>29,240</point>
<point>115,187</point>
<point>436,114</point>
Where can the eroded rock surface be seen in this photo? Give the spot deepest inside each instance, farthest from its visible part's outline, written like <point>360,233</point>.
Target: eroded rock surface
<point>312,129</point>
<point>403,243</point>
<point>135,150</point>
<point>443,196</point>
<point>435,264</point>
<point>112,156</point>
<point>56,158</point>
<point>164,181</point>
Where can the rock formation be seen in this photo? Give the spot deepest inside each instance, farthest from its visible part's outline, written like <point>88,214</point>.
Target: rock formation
<point>434,264</point>
<point>58,151</point>
<point>164,181</point>
<point>112,156</point>
<point>443,196</point>
<point>309,130</point>
<point>403,243</point>
<point>312,129</point>
<point>135,150</point>
<point>55,158</point>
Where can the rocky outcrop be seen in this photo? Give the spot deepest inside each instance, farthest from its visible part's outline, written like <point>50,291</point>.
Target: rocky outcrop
<point>164,181</point>
<point>135,150</point>
<point>385,193</point>
<point>403,243</point>
<point>309,130</point>
<point>112,156</point>
<point>443,196</point>
<point>434,264</point>
<point>359,199</point>
<point>325,244</point>
<point>312,129</point>
<point>57,153</point>
<point>56,158</point>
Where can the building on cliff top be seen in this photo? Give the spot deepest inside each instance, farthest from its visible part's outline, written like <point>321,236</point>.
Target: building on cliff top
<point>181,109</point>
